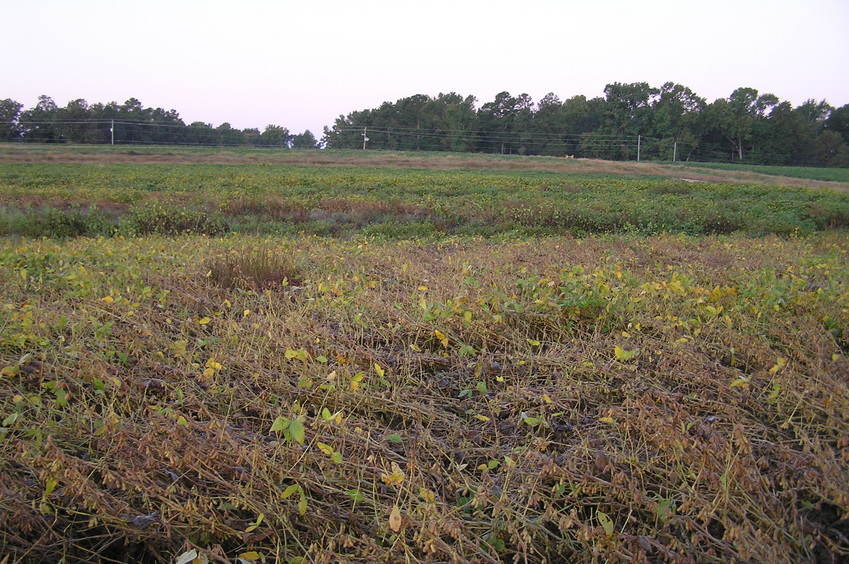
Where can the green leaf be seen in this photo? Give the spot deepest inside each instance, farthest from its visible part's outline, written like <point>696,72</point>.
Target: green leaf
<point>355,495</point>
<point>304,382</point>
<point>606,522</point>
<point>296,428</point>
<point>302,505</point>
<point>61,397</point>
<point>531,421</point>
<point>280,424</point>
<point>256,523</point>
<point>289,491</point>
<point>394,438</point>
<point>300,354</point>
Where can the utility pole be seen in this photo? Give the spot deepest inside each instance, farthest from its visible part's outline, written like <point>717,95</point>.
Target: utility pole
<point>112,131</point>
<point>675,152</point>
<point>365,137</point>
<point>638,148</point>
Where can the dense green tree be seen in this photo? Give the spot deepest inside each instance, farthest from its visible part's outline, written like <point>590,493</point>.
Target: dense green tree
<point>549,126</point>
<point>838,122</point>
<point>678,118</point>
<point>581,116</point>
<point>627,112</point>
<point>305,140</point>
<point>200,133</point>
<point>456,121</point>
<point>502,123</point>
<point>784,138</point>
<point>830,150</point>
<point>347,131</point>
<point>744,111</point>
<point>39,123</point>
<point>227,135</point>
<point>275,136</point>
<point>10,111</point>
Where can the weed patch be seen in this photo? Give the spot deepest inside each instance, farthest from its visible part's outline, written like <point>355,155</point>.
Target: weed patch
<point>158,219</point>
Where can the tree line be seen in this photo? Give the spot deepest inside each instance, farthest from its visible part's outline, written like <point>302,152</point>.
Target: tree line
<point>130,123</point>
<point>631,121</point>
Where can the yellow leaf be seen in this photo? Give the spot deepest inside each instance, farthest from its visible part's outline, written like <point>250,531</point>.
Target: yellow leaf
<point>441,336</point>
<point>609,420</point>
<point>250,555</point>
<point>325,448</point>
<point>675,286</point>
<point>740,382</point>
<point>378,370</point>
<point>204,321</point>
<point>780,363</point>
<point>395,519</point>
<point>107,299</point>
<point>395,478</point>
<point>483,418</point>
<point>623,355</point>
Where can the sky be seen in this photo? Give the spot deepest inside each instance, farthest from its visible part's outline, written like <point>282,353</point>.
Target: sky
<point>301,64</point>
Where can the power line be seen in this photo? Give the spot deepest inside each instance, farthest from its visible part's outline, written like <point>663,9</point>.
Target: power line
<point>592,144</point>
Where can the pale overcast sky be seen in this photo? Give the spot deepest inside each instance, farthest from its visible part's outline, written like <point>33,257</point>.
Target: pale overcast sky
<point>302,64</point>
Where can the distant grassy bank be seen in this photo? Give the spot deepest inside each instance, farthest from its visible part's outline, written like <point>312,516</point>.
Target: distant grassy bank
<point>812,173</point>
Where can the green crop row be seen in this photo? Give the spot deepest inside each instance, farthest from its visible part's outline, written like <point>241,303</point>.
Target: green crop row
<point>68,200</point>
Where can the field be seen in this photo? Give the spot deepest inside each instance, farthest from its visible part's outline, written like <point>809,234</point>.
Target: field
<point>355,362</point>
<point>812,173</point>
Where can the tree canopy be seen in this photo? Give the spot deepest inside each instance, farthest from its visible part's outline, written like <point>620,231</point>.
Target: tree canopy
<point>667,123</point>
<point>128,123</point>
<point>630,121</point>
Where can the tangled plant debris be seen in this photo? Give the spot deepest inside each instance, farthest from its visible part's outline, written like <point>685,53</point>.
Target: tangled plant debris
<point>644,399</point>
